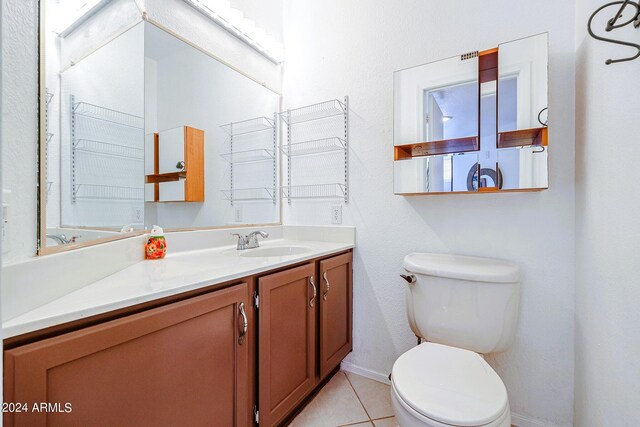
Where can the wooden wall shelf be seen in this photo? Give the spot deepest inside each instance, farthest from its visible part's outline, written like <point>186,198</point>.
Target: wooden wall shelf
<point>446,146</point>
<point>523,138</point>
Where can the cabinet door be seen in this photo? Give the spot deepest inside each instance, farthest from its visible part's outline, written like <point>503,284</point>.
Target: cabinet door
<point>181,364</point>
<point>287,341</point>
<point>335,295</point>
<point>171,150</point>
<point>172,191</point>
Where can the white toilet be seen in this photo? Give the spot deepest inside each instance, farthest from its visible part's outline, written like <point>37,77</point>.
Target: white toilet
<point>463,307</point>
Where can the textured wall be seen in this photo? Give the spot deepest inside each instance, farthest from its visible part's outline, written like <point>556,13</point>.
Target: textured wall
<point>20,124</point>
<point>336,48</point>
<point>607,336</point>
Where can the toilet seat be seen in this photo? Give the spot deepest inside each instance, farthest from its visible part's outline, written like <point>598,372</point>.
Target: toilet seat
<point>449,386</point>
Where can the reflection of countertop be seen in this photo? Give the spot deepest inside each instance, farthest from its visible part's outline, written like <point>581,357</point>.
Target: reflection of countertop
<point>149,280</point>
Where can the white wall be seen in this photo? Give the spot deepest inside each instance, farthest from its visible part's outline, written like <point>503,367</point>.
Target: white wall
<point>336,48</point>
<point>607,336</point>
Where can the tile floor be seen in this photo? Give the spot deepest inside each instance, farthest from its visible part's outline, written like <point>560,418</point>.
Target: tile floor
<point>349,400</point>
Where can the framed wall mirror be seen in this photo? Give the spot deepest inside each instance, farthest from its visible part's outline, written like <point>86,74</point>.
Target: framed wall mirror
<point>140,127</point>
<point>474,123</point>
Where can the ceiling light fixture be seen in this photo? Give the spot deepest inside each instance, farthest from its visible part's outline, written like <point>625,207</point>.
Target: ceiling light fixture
<point>233,20</point>
<point>446,118</point>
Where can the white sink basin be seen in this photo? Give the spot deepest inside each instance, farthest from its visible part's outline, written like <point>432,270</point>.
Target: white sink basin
<point>275,251</point>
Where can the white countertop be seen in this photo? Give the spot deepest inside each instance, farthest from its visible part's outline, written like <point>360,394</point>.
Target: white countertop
<point>149,280</point>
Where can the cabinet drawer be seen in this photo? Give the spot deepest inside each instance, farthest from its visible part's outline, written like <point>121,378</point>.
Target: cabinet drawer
<point>172,191</point>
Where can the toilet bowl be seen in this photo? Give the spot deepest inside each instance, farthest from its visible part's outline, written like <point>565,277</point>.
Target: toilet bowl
<point>464,307</point>
<point>440,386</point>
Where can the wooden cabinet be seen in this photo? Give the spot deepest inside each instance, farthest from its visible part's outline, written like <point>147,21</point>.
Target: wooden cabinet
<point>287,341</point>
<point>180,364</point>
<point>211,359</point>
<point>178,165</point>
<point>336,307</point>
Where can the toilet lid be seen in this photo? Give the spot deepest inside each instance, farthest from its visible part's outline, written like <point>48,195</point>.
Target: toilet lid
<point>449,385</point>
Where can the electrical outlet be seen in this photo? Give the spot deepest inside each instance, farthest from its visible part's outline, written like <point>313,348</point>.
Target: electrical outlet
<point>336,214</point>
<point>237,213</point>
<point>137,215</point>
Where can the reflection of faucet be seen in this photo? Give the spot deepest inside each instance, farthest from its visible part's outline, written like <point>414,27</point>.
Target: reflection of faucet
<point>61,239</point>
<point>252,239</point>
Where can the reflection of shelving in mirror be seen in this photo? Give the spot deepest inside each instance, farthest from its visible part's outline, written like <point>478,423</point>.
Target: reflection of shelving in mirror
<point>523,138</point>
<point>258,146</point>
<point>249,156</point>
<point>321,110</point>
<point>447,146</point>
<point>249,194</point>
<point>109,149</point>
<point>97,112</point>
<point>106,145</point>
<point>314,191</point>
<point>316,146</point>
<point>107,192</point>
<point>244,127</point>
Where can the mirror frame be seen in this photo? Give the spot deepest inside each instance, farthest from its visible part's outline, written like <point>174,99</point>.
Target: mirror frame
<point>41,202</point>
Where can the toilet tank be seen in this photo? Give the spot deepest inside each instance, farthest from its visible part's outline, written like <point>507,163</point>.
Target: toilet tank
<point>461,301</point>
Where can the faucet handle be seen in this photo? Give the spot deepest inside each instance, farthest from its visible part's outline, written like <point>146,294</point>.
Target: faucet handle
<point>242,241</point>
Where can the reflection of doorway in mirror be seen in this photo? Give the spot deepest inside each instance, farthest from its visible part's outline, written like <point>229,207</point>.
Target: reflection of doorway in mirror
<point>450,112</point>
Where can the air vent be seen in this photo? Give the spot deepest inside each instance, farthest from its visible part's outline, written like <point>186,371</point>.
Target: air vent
<point>469,55</point>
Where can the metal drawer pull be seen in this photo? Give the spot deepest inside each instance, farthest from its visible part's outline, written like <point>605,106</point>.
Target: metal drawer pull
<point>326,291</point>
<point>245,325</point>
<point>315,292</point>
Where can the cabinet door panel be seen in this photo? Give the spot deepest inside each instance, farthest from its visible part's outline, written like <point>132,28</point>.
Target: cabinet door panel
<point>181,364</point>
<point>336,306</point>
<point>287,341</point>
<point>171,149</point>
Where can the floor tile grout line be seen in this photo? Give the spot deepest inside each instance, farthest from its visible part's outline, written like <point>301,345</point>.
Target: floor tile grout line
<point>359,400</point>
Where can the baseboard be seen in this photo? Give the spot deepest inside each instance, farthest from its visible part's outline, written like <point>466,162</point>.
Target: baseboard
<point>524,421</point>
<point>367,373</point>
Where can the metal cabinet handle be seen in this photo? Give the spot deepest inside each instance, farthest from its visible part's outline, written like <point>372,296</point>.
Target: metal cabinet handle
<point>180,165</point>
<point>326,290</point>
<point>315,292</point>
<point>245,325</point>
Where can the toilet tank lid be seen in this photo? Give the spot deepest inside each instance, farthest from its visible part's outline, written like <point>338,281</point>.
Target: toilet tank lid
<point>460,267</point>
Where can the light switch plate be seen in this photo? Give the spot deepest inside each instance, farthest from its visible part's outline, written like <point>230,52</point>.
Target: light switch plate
<point>336,214</point>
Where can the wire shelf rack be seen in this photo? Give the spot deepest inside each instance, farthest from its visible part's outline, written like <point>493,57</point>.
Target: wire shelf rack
<point>109,149</point>
<point>316,146</point>
<point>250,194</point>
<point>107,192</point>
<point>321,110</point>
<point>49,98</point>
<point>48,137</point>
<point>244,127</point>
<point>92,111</point>
<point>314,191</point>
<point>249,156</point>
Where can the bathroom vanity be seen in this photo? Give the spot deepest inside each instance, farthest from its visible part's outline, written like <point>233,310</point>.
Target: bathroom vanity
<point>238,351</point>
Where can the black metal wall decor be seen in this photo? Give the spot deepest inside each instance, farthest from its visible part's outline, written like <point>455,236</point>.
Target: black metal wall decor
<point>619,20</point>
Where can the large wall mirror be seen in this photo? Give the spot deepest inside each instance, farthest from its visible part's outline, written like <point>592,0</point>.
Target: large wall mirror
<point>474,123</point>
<point>140,128</point>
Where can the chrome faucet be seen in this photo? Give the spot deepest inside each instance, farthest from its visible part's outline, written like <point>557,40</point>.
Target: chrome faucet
<point>250,241</point>
<point>61,239</point>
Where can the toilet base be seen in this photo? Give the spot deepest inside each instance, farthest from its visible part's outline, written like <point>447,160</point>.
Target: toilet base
<point>408,417</point>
